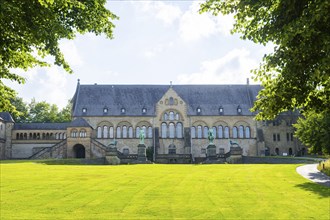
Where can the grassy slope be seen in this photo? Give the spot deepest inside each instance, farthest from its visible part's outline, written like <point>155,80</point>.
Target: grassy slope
<point>38,191</point>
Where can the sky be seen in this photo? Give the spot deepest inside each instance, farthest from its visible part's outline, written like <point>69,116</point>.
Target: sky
<point>155,42</point>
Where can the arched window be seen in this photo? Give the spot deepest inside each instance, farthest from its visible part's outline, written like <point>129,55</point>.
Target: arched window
<point>130,132</point>
<point>165,116</point>
<point>179,130</point>
<point>149,132</point>
<point>144,128</point>
<point>164,130</point>
<point>64,135</point>
<point>60,136</point>
<point>105,132</point>
<point>137,132</point>
<point>215,131</point>
<point>171,116</point>
<point>206,130</point>
<point>199,131</point>
<point>111,132</point>
<point>74,133</point>
<point>124,131</point>
<point>56,136</point>
<point>118,132</point>
<point>193,132</point>
<point>234,132</point>
<point>171,101</point>
<point>247,132</point>
<point>82,133</point>
<point>171,130</point>
<point>177,116</point>
<point>220,132</point>
<point>226,132</point>
<point>241,131</point>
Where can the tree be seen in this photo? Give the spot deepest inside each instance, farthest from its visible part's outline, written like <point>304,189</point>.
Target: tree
<point>313,131</point>
<point>22,111</point>
<point>31,30</point>
<point>296,75</point>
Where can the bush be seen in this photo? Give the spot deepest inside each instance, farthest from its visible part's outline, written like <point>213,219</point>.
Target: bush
<point>324,167</point>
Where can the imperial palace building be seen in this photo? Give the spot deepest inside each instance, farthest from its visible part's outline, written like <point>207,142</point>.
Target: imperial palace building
<point>175,120</point>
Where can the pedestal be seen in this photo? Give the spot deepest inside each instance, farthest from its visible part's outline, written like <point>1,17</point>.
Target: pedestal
<point>211,152</point>
<point>111,156</point>
<point>142,156</point>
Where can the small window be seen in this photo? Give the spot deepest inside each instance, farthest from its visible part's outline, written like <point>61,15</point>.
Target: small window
<point>199,110</point>
<point>221,110</point>
<point>123,110</point>
<point>144,110</point>
<point>171,116</point>
<point>239,109</point>
<point>105,110</point>
<point>84,110</point>
<point>171,101</point>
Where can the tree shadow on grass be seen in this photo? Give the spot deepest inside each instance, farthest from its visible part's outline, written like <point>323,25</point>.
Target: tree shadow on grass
<point>322,191</point>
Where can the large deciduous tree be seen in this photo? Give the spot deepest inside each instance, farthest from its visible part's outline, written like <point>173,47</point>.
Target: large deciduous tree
<point>31,30</point>
<point>297,74</point>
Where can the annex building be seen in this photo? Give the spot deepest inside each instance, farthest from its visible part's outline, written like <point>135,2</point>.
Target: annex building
<point>175,120</point>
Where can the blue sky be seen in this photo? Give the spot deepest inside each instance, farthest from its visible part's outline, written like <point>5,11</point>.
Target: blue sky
<point>155,42</point>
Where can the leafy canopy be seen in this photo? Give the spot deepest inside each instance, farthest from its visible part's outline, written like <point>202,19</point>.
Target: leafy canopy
<point>40,111</point>
<point>31,30</point>
<point>297,73</point>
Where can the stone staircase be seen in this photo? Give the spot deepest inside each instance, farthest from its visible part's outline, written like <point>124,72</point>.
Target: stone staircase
<point>56,151</point>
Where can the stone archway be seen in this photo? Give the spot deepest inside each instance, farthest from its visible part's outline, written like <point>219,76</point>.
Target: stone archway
<point>79,151</point>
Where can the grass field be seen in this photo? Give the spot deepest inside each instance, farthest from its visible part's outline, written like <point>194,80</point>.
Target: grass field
<point>39,191</point>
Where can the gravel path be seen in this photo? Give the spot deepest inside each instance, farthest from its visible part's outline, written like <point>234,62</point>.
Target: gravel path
<point>310,172</point>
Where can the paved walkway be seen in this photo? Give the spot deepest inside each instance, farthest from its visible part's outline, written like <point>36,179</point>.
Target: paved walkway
<point>310,172</point>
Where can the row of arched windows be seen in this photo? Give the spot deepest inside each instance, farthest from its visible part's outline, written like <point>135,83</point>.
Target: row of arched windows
<point>123,132</point>
<point>172,130</point>
<point>171,116</point>
<point>221,132</point>
<point>81,133</point>
<point>40,136</point>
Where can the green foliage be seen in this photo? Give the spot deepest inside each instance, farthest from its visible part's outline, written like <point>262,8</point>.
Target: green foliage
<point>31,30</point>
<point>296,75</point>
<point>159,192</point>
<point>324,167</point>
<point>39,111</point>
<point>314,131</point>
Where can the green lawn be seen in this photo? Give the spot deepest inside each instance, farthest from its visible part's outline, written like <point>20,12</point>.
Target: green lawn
<point>39,191</point>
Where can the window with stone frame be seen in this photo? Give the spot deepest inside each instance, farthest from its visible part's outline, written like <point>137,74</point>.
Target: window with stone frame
<point>193,132</point>
<point>164,130</point>
<point>179,130</point>
<point>130,132</point>
<point>226,132</point>
<point>171,130</point>
<point>205,132</point>
<point>241,131</point>
<point>234,132</point>
<point>247,132</point>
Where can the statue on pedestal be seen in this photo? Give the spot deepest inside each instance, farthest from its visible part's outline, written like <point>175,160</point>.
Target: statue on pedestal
<point>210,136</point>
<point>142,136</point>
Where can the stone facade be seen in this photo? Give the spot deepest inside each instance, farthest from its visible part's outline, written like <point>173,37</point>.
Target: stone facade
<point>176,120</point>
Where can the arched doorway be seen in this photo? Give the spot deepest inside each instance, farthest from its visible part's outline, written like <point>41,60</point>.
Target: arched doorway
<point>290,151</point>
<point>277,151</point>
<point>79,151</point>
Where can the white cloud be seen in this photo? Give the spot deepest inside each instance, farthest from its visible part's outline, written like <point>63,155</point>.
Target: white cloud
<point>71,54</point>
<point>167,13</point>
<point>159,48</point>
<point>232,68</point>
<point>194,26</point>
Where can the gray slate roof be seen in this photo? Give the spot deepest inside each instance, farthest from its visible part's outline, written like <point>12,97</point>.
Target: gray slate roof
<point>6,116</point>
<point>41,126</point>
<point>135,97</point>
<point>79,122</point>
